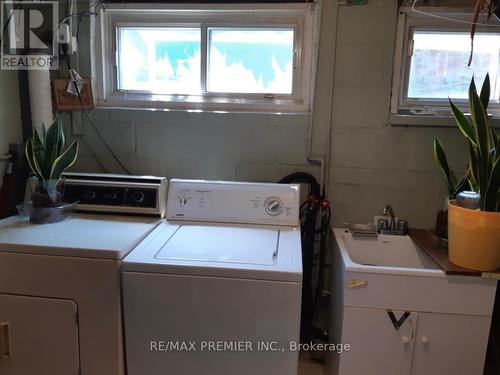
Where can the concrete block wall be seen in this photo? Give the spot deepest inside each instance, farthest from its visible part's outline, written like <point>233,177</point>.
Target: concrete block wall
<point>372,163</point>
<point>241,146</point>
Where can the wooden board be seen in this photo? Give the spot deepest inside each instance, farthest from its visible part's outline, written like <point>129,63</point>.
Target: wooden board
<point>65,101</point>
<point>438,252</point>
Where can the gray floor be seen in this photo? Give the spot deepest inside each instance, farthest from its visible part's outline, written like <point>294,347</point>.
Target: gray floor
<point>309,367</point>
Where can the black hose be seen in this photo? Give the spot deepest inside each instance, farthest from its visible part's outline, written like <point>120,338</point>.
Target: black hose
<point>303,177</point>
<point>315,210</point>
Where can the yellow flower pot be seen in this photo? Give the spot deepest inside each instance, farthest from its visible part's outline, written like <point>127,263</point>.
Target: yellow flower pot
<point>473,238</point>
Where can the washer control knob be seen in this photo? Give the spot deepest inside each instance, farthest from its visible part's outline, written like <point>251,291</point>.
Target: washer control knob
<point>273,206</point>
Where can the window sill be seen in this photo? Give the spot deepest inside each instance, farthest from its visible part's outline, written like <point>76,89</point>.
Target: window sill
<point>430,121</point>
<point>203,105</point>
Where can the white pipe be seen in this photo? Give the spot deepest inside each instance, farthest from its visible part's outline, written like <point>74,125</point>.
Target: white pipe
<point>40,98</point>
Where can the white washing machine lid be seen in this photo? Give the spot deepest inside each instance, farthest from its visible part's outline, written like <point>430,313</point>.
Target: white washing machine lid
<point>79,235</point>
<point>222,250</point>
<point>221,244</point>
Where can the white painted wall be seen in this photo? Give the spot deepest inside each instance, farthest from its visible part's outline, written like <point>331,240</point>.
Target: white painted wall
<point>371,162</point>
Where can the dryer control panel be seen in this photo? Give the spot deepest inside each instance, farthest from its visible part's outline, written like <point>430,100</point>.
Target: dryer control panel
<point>233,202</point>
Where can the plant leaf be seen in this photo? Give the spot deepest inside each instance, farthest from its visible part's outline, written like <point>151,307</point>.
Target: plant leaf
<point>440,157</point>
<point>463,124</point>
<point>51,146</point>
<point>28,151</point>
<point>63,162</point>
<point>491,192</point>
<point>485,91</point>
<point>38,152</point>
<point>480,122</point>
<point>44,131</point>
<point>474,167</point>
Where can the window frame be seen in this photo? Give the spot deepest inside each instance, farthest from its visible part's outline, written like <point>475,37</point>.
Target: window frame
<point>302,17</point>
<point>407,24</point>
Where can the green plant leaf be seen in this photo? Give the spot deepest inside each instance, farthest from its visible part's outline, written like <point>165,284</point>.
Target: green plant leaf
<point>44,131</point>
<point>491,191</point>
<point>463,124</point>
<point>480,122</point>
<point>52,148</point>
<point>440,157</point>
<point>28,151</point>
<point>485,91</point>
<point>37,140</point>
<point>474,167</point>
<point>38,152</point>
<point>62,139</point>
<point>63,162</point>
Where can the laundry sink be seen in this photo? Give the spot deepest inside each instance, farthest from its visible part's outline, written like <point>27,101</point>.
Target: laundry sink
<point>386,250</point>
<point>385,290</point>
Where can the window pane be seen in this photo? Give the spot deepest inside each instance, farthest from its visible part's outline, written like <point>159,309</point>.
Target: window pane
<point>161,60</point>
<point>439,64</point>
<point>250,60</point>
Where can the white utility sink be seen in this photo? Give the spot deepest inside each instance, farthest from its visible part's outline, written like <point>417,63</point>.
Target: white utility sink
<point>386,250</point>
<point>401,314</point>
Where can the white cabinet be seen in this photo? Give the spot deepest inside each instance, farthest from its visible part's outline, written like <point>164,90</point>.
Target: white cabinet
<point>449,344</point>
<point>377,347</point>
<point>38,336</point>
<point>421,344</point>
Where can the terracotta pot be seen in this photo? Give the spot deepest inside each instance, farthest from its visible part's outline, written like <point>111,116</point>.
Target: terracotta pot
<point>473,238</point>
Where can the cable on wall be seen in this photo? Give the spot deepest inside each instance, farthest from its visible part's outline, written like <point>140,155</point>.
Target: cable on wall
<point>64,48</point>
<point>438,16</point>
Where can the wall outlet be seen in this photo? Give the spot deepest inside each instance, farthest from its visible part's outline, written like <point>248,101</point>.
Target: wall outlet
<point>63,34</point>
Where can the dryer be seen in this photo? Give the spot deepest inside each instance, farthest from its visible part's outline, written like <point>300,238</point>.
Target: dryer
<point>60,299</point>
<point>216,289</point>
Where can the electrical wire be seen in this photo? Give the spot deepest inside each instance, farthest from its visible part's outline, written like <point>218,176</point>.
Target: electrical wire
<point>415,10</point>
<point>89,117</point>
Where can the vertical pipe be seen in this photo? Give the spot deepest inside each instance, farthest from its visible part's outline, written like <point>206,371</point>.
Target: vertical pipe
<point>40,98</point>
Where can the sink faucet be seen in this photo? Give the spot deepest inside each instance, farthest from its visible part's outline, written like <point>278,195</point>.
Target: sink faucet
<point>389,211</point>
<point>395,227</point>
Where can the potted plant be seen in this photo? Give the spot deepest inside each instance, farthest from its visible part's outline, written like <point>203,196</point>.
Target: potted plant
<point>48,159</point>
<point>474,235</point>
<point>454,186</point>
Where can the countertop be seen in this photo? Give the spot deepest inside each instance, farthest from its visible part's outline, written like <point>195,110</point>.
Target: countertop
<point>438,252</point>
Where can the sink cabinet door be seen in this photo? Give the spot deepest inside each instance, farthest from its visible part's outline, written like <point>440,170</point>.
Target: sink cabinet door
<point>38,336</point>
<point>450,344</point>
<point>377,347</point>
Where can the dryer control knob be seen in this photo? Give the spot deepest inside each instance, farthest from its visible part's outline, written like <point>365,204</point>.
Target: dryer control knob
<point>273,206</point>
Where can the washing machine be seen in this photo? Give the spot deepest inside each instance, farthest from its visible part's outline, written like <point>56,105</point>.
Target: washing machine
<point>60,292</point>
<point>216,288</point>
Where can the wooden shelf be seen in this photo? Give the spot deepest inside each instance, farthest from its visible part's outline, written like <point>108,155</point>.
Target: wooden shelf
<point>438,252</point>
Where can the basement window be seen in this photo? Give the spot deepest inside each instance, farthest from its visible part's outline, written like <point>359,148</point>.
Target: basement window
<point>431,65</point>
<point>250,58</point>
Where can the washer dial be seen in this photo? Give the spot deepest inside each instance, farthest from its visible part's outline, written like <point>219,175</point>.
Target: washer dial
<point>273,206</point>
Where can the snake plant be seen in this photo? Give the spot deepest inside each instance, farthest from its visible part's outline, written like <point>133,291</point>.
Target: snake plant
<point>484,147</point>
<point>47,157</point>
